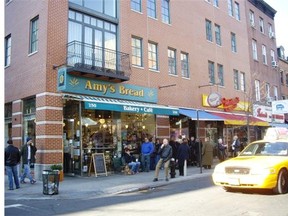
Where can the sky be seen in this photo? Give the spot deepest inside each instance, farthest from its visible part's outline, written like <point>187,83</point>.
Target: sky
<point>281,22</point>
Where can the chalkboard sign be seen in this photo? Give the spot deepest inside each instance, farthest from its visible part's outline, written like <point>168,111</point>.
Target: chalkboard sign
<point>99,164</point>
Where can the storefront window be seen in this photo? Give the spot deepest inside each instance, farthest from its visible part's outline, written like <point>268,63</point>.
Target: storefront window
<point>179,126</point>
<point>8,122</point>
<point>29,124</point>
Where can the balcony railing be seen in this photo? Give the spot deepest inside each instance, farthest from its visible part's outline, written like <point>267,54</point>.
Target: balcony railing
<point>88,59</point>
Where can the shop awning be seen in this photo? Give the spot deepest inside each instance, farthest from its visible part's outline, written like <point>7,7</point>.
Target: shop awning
<point>202,115</point>
<point>281,125</point>
<point>238,119</point>
<point>99,103</point>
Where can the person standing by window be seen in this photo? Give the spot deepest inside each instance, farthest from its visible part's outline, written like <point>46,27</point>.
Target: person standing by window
<point>183,155</point>
<point>146,151</point>
<point>28,152</point>
<point>12,159</point>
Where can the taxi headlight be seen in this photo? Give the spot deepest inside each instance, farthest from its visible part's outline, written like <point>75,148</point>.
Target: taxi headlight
<point>262,171</point>
<point>219,169</point>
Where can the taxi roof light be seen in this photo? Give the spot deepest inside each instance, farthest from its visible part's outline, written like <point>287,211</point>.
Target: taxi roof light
<point>276,133</point>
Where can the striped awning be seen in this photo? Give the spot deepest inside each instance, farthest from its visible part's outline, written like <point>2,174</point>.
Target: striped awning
<point>101,103</point>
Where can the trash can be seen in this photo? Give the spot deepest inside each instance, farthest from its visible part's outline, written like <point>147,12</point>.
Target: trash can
<point>50,182</point>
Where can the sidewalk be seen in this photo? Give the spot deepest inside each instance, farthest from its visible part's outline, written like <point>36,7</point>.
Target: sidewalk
<point>81,187</point>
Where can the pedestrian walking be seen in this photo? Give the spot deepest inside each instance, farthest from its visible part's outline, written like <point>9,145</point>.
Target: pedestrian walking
<point>28,152</point>
<point>12,159</point>
<point>165,152</point>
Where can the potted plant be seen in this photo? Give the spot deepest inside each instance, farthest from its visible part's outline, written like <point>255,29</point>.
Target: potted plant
<point>59,168</point>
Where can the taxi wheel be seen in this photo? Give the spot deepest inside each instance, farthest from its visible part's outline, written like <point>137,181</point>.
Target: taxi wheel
<point>282,182</point>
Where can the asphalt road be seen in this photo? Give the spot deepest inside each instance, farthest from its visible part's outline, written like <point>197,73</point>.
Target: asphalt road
<point>197,197</point>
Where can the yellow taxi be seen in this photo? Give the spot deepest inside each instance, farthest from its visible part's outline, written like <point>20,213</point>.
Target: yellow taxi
<point>262,164</point>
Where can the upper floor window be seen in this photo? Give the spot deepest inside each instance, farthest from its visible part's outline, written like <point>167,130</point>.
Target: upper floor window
<point>272,53</point>
<point>236,79</point>
<point>136,45</point>
<point>252,18</point>
<point>286,77</point>
<point>211,70</point>
<point>8,50</point>
<point>230,8</point>
<point>257,90</point>
<point>242,82</point>
<point>151,8</point>
<point>275,89</point>
<point>220,74</point>
<point>165,11</point>
<point>281,77</point>
<point>261,25</point>
<point>216,3</point>
<point>136,5</point>
<point>209,30</point>
<point>101,6</point>
<point>184,65</point>
<point>152,56</point>
<point>254,49</point>
<point>218,34</point>
<point>264,54</point>
<point>172,61</point>
<point>270,30</point>
<point>33,35</point>
<point>237,11</point>
<point>233,42</point>
<point>267,89</point>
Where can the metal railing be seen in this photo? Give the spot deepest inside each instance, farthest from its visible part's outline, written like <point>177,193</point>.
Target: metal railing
<point>98,59</point>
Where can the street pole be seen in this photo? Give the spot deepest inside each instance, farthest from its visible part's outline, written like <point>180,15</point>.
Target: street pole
<point>199,143</point>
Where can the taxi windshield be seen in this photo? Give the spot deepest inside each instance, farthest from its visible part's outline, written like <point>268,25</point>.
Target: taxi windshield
<point>266,149</point>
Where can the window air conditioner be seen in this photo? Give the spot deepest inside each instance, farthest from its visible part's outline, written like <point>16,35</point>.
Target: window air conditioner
<point>271,35</point>
<point>274,64</point>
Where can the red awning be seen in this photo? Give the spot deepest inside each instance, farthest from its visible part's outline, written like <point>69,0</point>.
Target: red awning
<point>238,119</point>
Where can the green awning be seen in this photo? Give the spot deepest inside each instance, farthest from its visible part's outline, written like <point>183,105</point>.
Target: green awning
<point>99,103</point>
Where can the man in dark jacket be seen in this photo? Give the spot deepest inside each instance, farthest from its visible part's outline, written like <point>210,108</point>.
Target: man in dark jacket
<point>28,152</point>
<point>12,159</point>
<point>183,155</point>
<point>165,152</point>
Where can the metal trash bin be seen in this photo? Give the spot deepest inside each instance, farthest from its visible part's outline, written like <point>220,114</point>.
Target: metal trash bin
<point>50,182</point>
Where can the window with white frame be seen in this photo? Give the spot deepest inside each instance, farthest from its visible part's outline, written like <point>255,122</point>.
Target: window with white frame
<point>272,53</point>
<point>286,77</point>
<point>216,3</point>
<point>136,5</point>
<point>236,79</point>
<point>257,90</point>
<point>270,29</point>
<point>220,74</point>
<point>233,42</point>
<point>211,71</point>
<point>33,43</point>
<point>151,8</point>
<point>242,82</point>
<point>218,34</point>
<point>230,8</point>
<point>275,89</point>
<point>264,54</point>
<point>252,18</point>
<point>152,56</point>
<point>165,11</point>
<point>254,49</point>
<point>267,90</point>
<point>172,61</point>
<point>185,65</point>
<point>209,30</point>
<point>7,50</point>
<point>261,25</point>
<point>136,44</point>
<point>237,10</point>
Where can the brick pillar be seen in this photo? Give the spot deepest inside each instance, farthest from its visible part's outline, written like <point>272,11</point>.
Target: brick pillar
<point>17,122</point>
<point>49,131</point>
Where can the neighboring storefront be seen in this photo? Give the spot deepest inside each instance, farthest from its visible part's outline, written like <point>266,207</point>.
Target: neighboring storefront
<point>103,117</point>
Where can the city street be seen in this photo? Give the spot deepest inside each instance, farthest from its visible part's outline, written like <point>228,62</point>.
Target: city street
<point>194,197</point>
